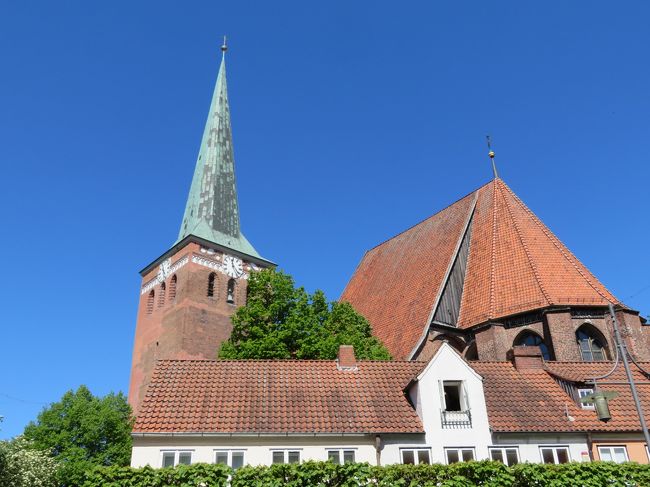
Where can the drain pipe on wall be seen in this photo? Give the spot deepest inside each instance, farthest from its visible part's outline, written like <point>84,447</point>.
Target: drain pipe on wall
<point>378,447</point>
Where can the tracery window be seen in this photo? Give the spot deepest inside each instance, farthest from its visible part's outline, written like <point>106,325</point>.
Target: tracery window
<point>592,346</point>
<point>530,339</point>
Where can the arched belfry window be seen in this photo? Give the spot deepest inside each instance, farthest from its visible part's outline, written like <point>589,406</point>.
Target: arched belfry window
<point>161,295</point>
<point>230,293</point>
<point>172,288</point>
<point>592,344</point>
<point>150,301</point>
<point>211,279</point>
<point>531,339</point>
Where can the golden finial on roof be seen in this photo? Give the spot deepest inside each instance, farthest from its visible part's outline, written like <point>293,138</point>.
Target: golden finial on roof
<point>491,155</point>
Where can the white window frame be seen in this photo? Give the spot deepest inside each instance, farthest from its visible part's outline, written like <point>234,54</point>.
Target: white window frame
<point>554,448</point>
<point>462,394</point>
<point>587,390</point>
<point>341,454</point>
<point>503,453</point>
<point>415,450</point>
<point>459,451</point>
<point>286,452</point>
<point>229,453</point>
<point>176,456</point>
<point>608,447</point>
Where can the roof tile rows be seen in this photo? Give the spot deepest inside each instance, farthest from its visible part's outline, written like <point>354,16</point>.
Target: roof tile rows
<point>515,265</point>
<point>265,396</point>
<point>537,403</point>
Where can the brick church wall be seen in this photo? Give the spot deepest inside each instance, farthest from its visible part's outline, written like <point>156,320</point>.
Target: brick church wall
<point>193,326</point>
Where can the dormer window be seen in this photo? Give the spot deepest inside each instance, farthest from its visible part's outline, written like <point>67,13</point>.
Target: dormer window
<point>583,393</point>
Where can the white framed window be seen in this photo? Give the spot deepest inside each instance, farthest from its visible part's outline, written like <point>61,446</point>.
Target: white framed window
<point>453,396</point>
<point>554,454</point>
<point>614,453</point>
<point>171,458</point>
<point>583,393</point>
<point>454,455</point>
<point>232,458</point>
<point>340,457</point>
<point>285,456</point>
<point>415,456</point>
<point>508,455</point>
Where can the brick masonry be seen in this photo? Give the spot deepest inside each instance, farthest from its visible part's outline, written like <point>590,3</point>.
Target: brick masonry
<point>191,326</point>
<point>557,328</point>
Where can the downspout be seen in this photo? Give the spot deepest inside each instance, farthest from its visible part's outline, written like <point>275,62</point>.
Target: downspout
<point>378,448</point>
<point>590,446</point>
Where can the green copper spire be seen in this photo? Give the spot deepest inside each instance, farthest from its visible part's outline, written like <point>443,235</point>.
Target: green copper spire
<point>212,212</point>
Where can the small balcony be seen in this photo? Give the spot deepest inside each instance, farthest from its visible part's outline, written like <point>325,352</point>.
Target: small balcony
<point>456,419</point>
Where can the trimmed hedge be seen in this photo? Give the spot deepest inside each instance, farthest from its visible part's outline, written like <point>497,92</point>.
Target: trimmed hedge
<point>326,474</point>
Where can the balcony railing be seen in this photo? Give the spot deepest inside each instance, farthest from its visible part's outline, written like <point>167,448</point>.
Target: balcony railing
<point>456,419</point>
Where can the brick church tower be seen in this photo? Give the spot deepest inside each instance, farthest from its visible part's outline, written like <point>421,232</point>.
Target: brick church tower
<point>189,293</point>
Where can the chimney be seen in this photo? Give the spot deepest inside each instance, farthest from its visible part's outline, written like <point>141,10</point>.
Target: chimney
<point>527,358</point>
<point>346,359</point>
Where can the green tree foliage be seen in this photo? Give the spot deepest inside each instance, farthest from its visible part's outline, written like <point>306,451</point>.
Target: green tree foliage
<point>309,474</point>
<point>83,430</point>
<point>280,321</point>
<point>22,465</point>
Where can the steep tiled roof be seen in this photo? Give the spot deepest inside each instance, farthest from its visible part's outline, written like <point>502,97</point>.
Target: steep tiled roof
<point>515,264</point>
<point>536,401</point>
<point>397,282</point>
<point>274,396</point>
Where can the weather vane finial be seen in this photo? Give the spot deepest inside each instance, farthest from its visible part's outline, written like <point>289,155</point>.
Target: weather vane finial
<point>491,155</point>
<point>224,46</point>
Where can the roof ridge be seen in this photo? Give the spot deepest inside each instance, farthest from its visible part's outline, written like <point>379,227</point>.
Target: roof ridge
<point>560,246</point>
<point>492,253</point>
<point>532,264</point>
<point>427,218</point>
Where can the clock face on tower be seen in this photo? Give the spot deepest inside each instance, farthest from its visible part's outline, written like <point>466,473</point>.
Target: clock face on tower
<point>233,266</point>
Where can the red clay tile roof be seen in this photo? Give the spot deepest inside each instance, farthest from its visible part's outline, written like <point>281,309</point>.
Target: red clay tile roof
<point>515,265</point>
<point>397,282</point>
<point>534,401</point>
<point>267,396</point>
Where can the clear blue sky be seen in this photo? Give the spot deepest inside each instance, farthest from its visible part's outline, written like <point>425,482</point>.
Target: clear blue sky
<point>351,123</point>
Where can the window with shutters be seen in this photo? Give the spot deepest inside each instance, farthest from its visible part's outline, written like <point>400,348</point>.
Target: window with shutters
<point>211,279</point>
<point>150,301</point>
<point>230,292</point>
<point>161,295</point>
<point>172,288</point>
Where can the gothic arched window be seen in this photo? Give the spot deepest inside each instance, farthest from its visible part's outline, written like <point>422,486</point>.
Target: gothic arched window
<point>531,339</point>
<point>172,288</point>
<point>161,296</point>
<point>150,301</point>
<point>592,344</point>
<point>230,294</point>
<point>211,279</point>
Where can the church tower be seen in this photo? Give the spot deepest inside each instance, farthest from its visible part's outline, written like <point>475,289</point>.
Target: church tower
<point>189,293</point>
